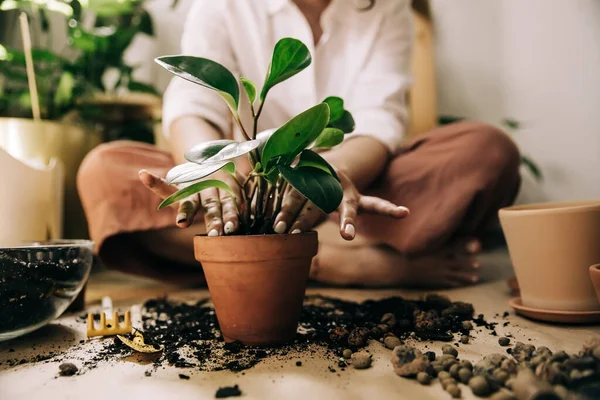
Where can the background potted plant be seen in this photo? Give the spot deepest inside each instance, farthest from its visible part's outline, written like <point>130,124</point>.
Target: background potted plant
<point>76,46</point>
<point>257,279</point>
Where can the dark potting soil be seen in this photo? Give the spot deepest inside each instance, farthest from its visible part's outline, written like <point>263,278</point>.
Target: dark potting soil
<point>228,391</point>
<point>191,337</point>
<point>36,282</point>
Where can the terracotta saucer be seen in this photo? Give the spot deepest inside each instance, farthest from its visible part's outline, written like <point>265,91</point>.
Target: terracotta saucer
<point>563,317</point>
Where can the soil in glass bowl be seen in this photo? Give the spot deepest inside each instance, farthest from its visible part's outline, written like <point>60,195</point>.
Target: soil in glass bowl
<point>38,281</point>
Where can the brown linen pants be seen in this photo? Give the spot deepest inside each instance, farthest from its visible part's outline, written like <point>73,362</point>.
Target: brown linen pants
<point>453,179</point>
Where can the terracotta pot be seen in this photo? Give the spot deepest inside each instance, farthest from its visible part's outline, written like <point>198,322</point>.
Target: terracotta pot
<point>257,283</point>
<point>595,277</point>
<point>552,246</point>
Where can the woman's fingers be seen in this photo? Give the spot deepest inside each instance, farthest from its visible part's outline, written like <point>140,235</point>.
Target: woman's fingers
<point>291,206</point>
<point>187,211</point>
<point>348,211</point>
<point>161,188</point>
<point>212,216</point>
<point>187,208</point>
<point>376,205</point>
<point>229,212</point>
<point>308,217</point>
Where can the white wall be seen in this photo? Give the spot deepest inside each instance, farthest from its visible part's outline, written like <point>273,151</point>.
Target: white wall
<point>537,61</point>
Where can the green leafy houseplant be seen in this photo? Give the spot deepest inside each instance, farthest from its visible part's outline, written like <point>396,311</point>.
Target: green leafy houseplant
<point>69,77</point>
<point>285,157</point>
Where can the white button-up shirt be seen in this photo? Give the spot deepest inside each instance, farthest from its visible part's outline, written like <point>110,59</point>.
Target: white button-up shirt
<point>362,57</point>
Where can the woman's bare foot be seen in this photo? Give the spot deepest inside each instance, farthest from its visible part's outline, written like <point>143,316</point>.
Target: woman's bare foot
<point>379,266</point>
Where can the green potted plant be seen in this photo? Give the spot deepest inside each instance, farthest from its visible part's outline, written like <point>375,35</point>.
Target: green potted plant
<point>77,111</point>
<point>256,278</point>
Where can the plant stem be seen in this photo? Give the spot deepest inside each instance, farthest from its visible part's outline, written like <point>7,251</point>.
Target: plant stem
<point>260,107</point>
<point>239,123</point>
<point>253,191</point>
<point>281,187</point>
<point>260,199</point>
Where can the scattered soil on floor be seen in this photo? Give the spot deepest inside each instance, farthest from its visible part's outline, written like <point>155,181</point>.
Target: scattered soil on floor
<point>191,337</point>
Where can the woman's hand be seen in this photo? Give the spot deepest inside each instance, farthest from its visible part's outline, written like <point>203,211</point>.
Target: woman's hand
<point>299,215</point>
<point>221,212</point>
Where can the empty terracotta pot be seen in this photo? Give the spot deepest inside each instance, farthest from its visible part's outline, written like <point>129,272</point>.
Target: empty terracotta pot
<point>595,277</point>
<point>552,246</point>
<point>257,283</point>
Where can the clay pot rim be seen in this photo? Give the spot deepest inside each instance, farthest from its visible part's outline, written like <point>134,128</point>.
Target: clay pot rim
<point>270,235</point>
<point>550,208</point>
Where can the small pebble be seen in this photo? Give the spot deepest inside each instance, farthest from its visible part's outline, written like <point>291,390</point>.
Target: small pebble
<point>443,375</point>
<point>430,355</point>
<point>447,382</point>
<point>185,377</point>
<point>423,378</point>
<point>391,342</point>
<point>468,325</point>
<point>449,363</point>
<point>503,395</point>
<point>454,371</point>
<point>347,353</point>
<point>464,339</point>
<point>148,373</point>
<point>504,341</point>
<point>383,328</point>
<point>575,374</point>
<point>453,391</point>
<point>561,391</point>
<point>361,360</point>
<point>501,375</point>
<point>466,364</point>
<point>448,349</point>
<point>438,368</point>
<point>464,375</point>
<point>509,366</point>
<point>596,352</point>
<point>587,373</point>
<point>479,386</point>
<point>67,369</point>
<point>298,363</point>
<point>509,383</point>
<point>388,319</point>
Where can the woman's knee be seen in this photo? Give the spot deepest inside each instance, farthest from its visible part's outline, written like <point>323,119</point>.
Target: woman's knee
<point>491,151</point>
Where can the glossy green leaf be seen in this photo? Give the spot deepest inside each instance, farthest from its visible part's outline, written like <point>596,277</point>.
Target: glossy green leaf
<point>206,73</point>
<point>229,168</point>
<point>329,138</point>
<point>294,136</point>
<point>512,123</point>
<point>64,91</point>
<point>309,158</point>
<point>290,56</point>
<point>345,123</point>
<point>234,150</point>
<point>532,167</point>
<point>322,189</point>
<point>190,172</point>
<point>336,108</point>
<point>250,89</point>
<point>206,150</point>
<point>193,189</point>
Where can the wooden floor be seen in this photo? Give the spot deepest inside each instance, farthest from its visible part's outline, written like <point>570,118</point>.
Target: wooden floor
<point>271,379</point>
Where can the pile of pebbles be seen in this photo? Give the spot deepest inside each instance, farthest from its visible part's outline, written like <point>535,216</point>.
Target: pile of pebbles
<point>525,373</point>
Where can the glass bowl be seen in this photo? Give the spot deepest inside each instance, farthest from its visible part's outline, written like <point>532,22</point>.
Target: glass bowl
<point>38,282</point>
